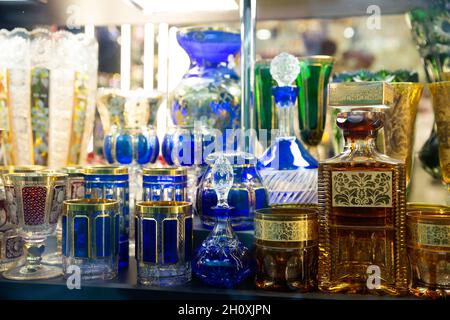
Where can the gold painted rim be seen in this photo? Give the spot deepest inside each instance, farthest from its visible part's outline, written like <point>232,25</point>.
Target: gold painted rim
<point>168,171</point>
<point>287,212</point>
<point>38,176</point>
<point>90,205</point>
<point>419,84</point>
<point>21,169</point>
<point>73,170</point>
<point>163,207</point>
<point>420,210</point>
<point>207,28</point>
<point>439,84</point>
<point>105,169</point>
<point>317,58</point>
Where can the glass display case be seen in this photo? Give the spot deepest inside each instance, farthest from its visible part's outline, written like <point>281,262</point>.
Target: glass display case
<point>188,66</point>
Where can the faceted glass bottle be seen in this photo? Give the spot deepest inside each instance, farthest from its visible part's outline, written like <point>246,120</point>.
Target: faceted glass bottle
<point>362,205</point>
<point>288,171</point>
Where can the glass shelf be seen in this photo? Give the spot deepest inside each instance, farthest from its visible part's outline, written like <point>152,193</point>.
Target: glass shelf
<point>125,287</point>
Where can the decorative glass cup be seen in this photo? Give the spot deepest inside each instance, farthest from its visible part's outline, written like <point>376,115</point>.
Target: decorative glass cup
<point>90,229</point>
<point>131,145</point>
<point>188,146</point>
<point>111,183</point>
<point>164,184</point>
<point>428,229</point>
<point>163,242</point>
<point>75,190</point>
<point>287,250</point>
<point>75,182</point>
<point>266,115</point>
<point>34,202</point>
<point>312,82</point>
<point>11,244</point>
<point>441,105</point>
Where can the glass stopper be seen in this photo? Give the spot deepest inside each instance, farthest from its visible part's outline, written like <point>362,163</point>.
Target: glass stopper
<point>222,182</point>
<point>284,68</point>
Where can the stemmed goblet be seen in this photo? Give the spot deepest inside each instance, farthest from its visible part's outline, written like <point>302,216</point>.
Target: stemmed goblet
<point>34,204</point>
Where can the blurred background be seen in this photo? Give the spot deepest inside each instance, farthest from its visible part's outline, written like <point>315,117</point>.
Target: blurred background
<point>138,46</point>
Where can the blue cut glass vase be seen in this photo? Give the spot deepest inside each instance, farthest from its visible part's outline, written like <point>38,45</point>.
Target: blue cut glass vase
<point>288,170</point>
<point>210,90</point>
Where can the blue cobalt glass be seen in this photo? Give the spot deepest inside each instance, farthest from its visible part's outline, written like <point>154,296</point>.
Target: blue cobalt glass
<point>222,260</point>
<point>134,145</point>
<point>210,90</point>
<point>164,184</point>
<point>288,171</point>
<point>188,145</point>
<point>90,238</point>
<point>163,242</point>
<point>247,193</point>
<point>111,183</point>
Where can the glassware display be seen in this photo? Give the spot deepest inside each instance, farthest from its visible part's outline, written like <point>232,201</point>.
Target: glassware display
<point>89,241</point>
<point>112,183</point>
<point>312,82</point>
<point>362,200</point>
<point>428,229</point>
<point>441,102</point>
<point>429,27</point>
<point>52,87</point>
<point>286,240</point>
<point>246,195</point>
<point>189,146</point>
<point>34,203</point>
<point>397,137</point>
<point>164,184</point>
<point>164,242</point>
<point>222,260</point>
<point>210,90</point>
<point>288,171</point>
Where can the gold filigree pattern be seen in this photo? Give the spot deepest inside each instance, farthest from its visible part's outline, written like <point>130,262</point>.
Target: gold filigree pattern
<point>430,234</point>
<point>291,231</point>
<point>441,102</point>
<point>362,189</point>
<point>399,125</point>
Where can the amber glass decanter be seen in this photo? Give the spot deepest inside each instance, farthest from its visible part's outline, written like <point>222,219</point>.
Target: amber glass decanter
<point>362,205</point>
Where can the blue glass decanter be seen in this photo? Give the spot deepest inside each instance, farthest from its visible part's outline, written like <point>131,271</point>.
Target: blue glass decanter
<point>222,260</point>
<point>288,171</point>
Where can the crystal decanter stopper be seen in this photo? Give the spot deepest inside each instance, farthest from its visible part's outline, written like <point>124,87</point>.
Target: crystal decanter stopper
<point>222,260</point>
<point>288,171</point>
